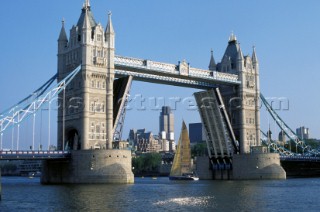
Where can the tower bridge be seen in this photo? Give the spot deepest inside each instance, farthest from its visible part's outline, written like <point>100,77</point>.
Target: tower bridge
<point>90,71</point>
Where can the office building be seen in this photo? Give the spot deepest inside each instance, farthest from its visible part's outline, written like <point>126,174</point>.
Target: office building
<point>166,124</point>
<point>302,132</point>
<point>196,132</point>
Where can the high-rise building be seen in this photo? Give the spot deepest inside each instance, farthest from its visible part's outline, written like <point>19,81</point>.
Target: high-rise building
<point>196,132</point>
<point>166,124</point>
<point>282,136</point>
<point>302,132</point>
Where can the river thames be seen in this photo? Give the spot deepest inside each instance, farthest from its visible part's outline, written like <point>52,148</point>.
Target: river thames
<point>147,194</point>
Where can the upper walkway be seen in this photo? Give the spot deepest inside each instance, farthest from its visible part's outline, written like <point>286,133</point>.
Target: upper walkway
<point>171,74</point>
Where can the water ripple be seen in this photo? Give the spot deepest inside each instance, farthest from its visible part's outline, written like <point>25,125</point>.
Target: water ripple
<point>187,201</point>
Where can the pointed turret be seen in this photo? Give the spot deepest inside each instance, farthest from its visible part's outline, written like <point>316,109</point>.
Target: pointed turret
<point>239,55</point>
<point>255,61</point>
<point>62,40</point>
<point>240,59</point>
<point>86,22</point>
<point>212,64</point>
<point>86,29</point>
<point>109,33</point>
<point>62,44</point>
<point>109,28</point>
<point>63,34</point>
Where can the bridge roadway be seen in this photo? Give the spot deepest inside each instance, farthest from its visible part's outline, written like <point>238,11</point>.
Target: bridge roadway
<point>165,73</point>
<point>299,158</point>
<point>301,166</point>
<point>33,155</point>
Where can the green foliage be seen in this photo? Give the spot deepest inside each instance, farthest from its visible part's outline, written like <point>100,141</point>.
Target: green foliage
<point>199,149</point>
<point>315,144</point>
<point>8,167</point>
<point>146,163</point>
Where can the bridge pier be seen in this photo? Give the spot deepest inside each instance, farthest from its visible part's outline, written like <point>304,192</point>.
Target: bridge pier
<point>257,165</point>
<point>90,166</point>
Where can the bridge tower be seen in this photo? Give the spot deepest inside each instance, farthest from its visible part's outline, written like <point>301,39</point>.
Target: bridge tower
<point>90,96</point>
<point>242,103</point>
<point>86,113</point>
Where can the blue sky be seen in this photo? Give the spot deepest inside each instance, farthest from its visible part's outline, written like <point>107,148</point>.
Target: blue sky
<point>286,35</point>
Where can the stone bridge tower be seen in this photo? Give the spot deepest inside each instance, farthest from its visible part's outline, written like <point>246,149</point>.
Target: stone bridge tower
<point>86,112</point>
<point>242,103</point>
<point>89,97</point>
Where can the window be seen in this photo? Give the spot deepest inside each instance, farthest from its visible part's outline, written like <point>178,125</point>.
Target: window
<point>92,107</point>
<point>97,107</point>
<point>99,37</point>
<point>98,132</point>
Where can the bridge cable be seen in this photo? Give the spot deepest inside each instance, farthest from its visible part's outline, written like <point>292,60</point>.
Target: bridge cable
<point>286,129</point>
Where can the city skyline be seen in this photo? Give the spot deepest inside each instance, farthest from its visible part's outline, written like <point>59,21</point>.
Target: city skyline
<point>286,47</point>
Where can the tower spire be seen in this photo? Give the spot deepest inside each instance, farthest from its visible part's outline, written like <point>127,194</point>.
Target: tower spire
<point>86,22</point>
<point>254,56</point>
<point>239,60</point>
<point>86,4</point>
<point>232,37</point>
<point>109,28</point>
<point>212,64</point>
<point>63,35</point>
<point>239,55</point>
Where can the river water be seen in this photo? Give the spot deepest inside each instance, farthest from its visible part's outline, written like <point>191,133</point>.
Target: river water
<point>147,194</point>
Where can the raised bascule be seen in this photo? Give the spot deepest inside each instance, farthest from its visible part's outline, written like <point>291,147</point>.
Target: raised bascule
<point>93,89</point>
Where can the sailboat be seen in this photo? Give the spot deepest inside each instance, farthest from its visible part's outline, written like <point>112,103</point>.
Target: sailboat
<point>181,167</point>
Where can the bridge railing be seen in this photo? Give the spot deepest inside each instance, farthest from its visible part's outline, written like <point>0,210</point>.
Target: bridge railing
<point>146,64</point>
<point>174,69</point>
<point>30,152</point>
<point>33,155</point>
<point>299,158</point>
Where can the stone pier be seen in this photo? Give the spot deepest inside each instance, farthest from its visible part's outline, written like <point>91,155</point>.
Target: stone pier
<point>257,165</point>
<point>90,166</point>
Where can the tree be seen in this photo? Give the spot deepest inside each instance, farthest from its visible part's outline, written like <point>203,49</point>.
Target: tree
<point>199,149</point>
<point>146,163</point>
